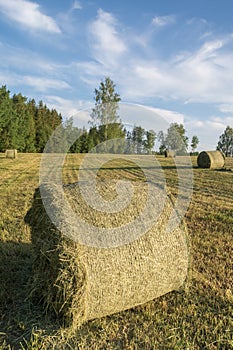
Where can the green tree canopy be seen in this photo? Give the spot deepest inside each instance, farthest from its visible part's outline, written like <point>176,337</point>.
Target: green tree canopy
<point>138,134</point>
<point>105,111</point>
<point>24,125</point>
<point>176,139</point>
<point>225,143</point>
<point>8,121</point>
<point>194,143</point>
<point>149,142</point>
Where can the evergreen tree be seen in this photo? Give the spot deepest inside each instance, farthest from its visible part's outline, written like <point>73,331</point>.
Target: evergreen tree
<point>129,143</point>
<point>45,121</point>
<point>138,134</point>
<point>149,141</point>
<point>8,121</point>
<point>25,124</point>
<point>93,137</point>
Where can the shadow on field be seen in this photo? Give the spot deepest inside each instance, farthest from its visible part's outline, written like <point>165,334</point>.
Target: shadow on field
<point>19,318</point>
<point>15,268</point>
<point>140,168</point>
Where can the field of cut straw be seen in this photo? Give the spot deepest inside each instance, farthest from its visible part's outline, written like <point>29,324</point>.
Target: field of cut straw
<point>197,317</point>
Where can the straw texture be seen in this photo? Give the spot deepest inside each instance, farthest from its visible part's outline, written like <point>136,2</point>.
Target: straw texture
<point>211,159</point>
<point>11,153</point>
<point>80,282</point>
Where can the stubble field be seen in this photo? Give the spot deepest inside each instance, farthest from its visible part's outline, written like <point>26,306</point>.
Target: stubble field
<point>197,317</point>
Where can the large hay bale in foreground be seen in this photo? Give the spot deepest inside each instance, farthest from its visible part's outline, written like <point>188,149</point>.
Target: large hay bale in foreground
<point>211,159</point>
<point>169,154</point>
<point>11,153</point>
<point>80,282</point>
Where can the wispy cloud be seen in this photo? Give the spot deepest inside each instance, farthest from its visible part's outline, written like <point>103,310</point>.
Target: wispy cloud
<point>202,74</point>
<point>36,83</point>
<point>106,43</point>
<point>29,15</point>
<point>147,72</point>
<point>208,130</point>
<point>20,59</point>
<point>226,108</point>
<point>44,84</point>
<point>162,21</point>
<point>70,108</point>
<point>77,5</point>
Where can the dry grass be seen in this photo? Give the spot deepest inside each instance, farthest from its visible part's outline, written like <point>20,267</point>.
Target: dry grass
<point>198,319</point>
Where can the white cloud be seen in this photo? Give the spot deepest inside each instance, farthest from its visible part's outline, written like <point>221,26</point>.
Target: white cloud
<point>161,21</point>
<point>44,84</point>
<point>208,131</point>
<point>204,75</point>
<point>24,60</point>
<point>106,44</point>
<point>196,20</point>
<point>91,69</point>
<point>29,15</point>
<point>170,116</point>
<point>38,83</point>
<point>226,108</point>
<point>222,122</point>
<point>150,118</point>
<point>70,108</point>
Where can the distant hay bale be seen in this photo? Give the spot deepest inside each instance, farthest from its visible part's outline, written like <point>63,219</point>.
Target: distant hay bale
<point>211,159</point>
<point>169,154</point>
<point>80,282</point>
<point>11,153</point>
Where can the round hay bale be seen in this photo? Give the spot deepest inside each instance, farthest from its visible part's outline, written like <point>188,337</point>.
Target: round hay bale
<point>169,154</point>
<point>211,159</point>
<point>11,153</point>
<point>81,282</point>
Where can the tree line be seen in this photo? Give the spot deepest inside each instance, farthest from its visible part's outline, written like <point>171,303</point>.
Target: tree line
<point>27,126</point>
<point>107,125</point>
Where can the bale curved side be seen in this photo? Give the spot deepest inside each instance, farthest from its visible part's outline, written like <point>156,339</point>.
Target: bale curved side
<point>211,159</point>
<point>58,279</point>
<point>82,283</point>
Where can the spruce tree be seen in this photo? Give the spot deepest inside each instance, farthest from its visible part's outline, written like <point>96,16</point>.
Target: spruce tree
<point>8,121</point>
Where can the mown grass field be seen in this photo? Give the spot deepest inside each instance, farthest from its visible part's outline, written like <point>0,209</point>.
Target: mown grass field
<point>199,317</point>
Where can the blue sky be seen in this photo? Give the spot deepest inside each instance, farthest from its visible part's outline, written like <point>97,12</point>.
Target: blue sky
<point>174,56</point>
